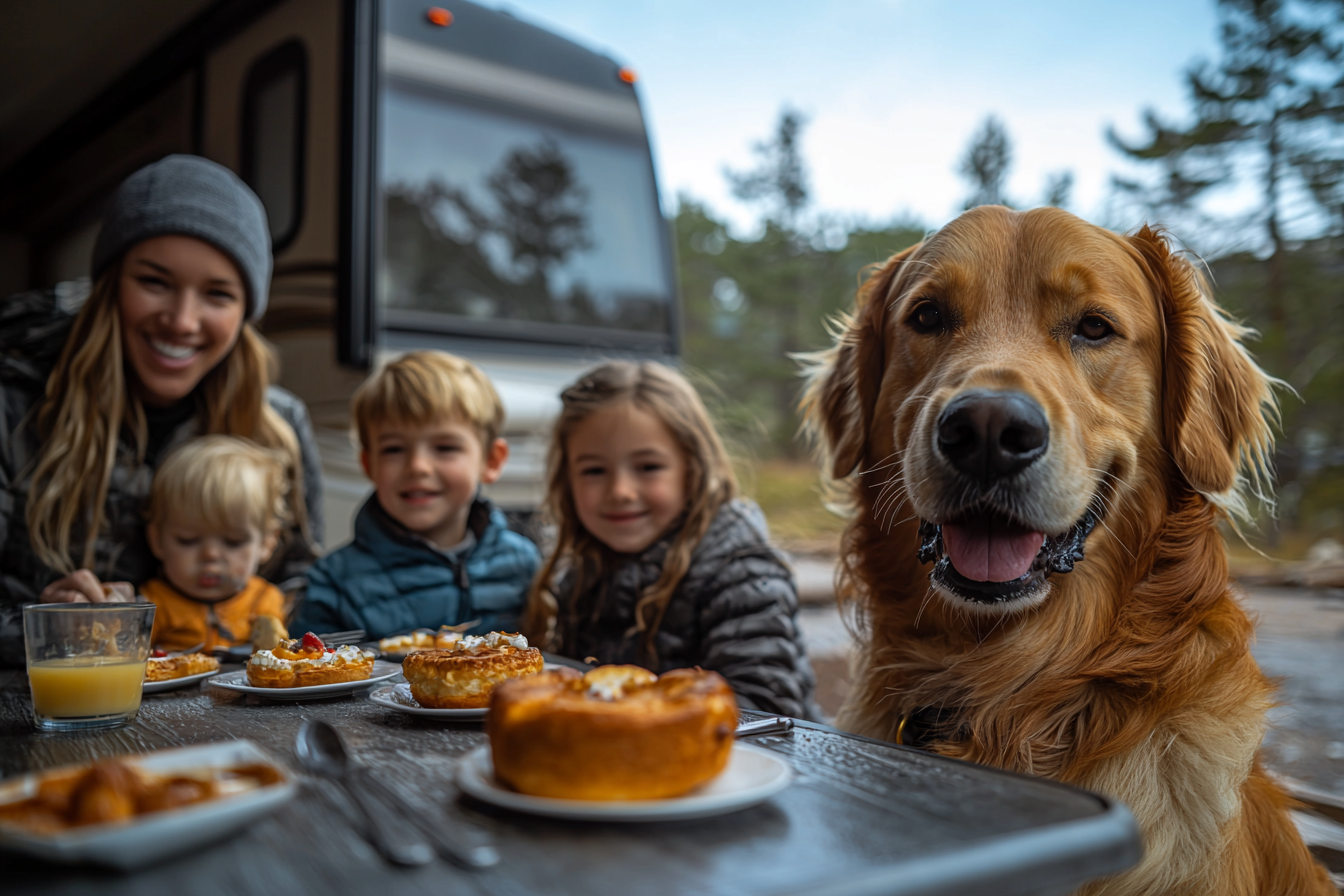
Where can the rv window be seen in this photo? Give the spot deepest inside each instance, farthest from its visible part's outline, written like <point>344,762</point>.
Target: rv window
<point>274,109</point>
<point>503,221</point>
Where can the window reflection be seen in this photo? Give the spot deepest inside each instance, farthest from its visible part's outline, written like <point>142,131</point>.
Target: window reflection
<point>494,217</point>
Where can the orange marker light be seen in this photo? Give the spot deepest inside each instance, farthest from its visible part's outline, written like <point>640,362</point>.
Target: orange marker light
<point>627,75</point>
<point>437,15</point>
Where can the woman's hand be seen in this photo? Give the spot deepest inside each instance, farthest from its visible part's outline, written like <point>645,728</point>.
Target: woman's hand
<point>83,587</point>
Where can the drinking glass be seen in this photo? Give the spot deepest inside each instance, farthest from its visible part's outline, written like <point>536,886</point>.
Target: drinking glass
<point>86,663</point>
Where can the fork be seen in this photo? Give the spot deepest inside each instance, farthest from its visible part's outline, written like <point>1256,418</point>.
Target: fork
<point>350,637</point>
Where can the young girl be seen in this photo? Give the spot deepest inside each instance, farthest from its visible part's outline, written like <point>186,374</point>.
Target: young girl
<point>216,509</point>
<point>657,562</point>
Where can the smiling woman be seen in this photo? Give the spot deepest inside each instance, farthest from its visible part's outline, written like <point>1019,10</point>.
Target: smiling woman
<point>163,349</point>
<point>181,310</point>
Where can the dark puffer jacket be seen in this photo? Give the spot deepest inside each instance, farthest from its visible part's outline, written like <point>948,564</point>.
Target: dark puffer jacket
<point>389,580</point>
<point>735,612</point>
<point>33,330</point>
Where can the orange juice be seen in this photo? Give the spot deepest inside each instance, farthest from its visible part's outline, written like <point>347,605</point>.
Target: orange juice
<point>85,686</point>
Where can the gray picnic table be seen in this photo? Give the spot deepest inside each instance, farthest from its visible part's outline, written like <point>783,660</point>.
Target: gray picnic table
<point>862,817</point>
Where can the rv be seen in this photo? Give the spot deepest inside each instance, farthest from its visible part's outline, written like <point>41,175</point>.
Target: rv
<point>446,177</point>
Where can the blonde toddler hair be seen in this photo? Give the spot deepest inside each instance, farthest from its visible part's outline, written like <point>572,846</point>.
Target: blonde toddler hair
<point>424,386</point>
<point>663,392</point>
<point>222,483</point>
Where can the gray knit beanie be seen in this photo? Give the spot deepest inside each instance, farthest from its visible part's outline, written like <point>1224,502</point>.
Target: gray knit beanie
<point>191,196</point>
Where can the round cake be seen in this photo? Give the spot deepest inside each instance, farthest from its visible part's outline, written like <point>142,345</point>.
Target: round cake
<point>615,733</point>
<point>306,662</point>
<point>463,675</point>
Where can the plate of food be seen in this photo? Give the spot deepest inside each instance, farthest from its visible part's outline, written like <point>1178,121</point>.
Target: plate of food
<point>305,667</point>
<point>619,743</point>
<point>168,673</point>
<point>456,681</point>
<point>131,811</point>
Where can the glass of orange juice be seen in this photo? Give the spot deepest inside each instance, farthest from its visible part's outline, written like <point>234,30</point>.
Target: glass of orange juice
<point>86,662</point>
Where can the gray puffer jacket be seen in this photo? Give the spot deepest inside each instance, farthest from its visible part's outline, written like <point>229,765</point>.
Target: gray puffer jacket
<point>33,330</point>
<point>735,612</point>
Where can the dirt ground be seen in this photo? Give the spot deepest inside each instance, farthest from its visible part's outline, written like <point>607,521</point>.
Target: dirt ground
<point>1300,642</point>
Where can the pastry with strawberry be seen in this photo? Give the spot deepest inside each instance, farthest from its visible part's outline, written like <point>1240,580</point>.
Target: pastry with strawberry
<point>305,662</point>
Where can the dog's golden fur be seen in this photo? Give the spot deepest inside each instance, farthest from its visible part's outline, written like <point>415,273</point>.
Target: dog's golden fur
<point>1131,675</point>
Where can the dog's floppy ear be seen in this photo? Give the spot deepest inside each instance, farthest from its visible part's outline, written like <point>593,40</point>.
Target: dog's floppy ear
<point>1217,404</point>
<point>841,396</point>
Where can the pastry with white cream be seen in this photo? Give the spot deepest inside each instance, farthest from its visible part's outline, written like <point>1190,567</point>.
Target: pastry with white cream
<point>306,662</point>
<point>463,675</point>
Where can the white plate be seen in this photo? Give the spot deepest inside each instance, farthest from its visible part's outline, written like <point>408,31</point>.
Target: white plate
<point>172,684</point>
<point>398,697</point>
<point>160,834</point>
<point>753,776</point>
<point>237,681</point>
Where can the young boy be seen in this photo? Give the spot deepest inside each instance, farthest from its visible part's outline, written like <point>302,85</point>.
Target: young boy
<point>428,549</point>
<point>214,517</point>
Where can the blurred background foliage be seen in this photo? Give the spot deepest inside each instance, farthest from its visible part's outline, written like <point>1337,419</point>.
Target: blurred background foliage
<point>1266,119</point>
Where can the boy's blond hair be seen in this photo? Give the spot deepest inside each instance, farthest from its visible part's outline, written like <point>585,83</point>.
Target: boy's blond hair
<point>221,482</point>
<point>424,386</point>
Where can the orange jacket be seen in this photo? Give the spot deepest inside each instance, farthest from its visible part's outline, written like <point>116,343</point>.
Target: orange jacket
<point>180,622</point>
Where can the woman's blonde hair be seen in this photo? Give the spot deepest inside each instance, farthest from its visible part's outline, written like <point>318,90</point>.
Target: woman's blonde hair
<point>222,483</point>
<point>87,406</point>
<point>664,393</point>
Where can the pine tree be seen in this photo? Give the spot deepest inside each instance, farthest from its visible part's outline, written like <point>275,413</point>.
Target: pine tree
<point>1058,188</point>
<point>780,180</point>
<point>1270,110</point>
<point>986,164</point>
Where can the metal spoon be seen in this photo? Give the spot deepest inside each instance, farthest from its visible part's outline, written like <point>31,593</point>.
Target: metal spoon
<point>474,852</point>
<point>322,752</point>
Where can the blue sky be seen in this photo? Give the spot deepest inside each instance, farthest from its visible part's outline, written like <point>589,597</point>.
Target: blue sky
<point>893,89</point>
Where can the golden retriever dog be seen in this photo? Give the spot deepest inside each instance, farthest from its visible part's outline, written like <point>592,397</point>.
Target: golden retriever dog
<point>1041,424</point>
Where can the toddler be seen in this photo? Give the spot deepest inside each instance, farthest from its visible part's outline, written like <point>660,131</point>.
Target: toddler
<point>657,561</point>
<point>429,549</point>
<point>216,508</point>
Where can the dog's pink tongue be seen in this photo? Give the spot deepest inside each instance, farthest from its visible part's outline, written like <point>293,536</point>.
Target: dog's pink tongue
<point>990,550</point>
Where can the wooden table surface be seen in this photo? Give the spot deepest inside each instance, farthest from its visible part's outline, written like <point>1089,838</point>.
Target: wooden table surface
<point>861,817</point>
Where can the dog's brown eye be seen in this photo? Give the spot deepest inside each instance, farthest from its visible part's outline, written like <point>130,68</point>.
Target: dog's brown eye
<point>1094,327</point>
<point>926,318</point>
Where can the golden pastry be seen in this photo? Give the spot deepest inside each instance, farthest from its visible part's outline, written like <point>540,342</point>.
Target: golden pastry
<point>615,733</point>
<point>462,676</point>
<point>166,668</point>
<point>420,639</point>
<point>307,662</point>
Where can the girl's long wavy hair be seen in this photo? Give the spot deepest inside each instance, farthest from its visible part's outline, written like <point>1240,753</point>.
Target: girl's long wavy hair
<point>88,407</point>
<point>710,483</point>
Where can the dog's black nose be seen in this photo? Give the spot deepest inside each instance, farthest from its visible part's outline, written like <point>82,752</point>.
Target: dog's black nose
<point>991,435</point>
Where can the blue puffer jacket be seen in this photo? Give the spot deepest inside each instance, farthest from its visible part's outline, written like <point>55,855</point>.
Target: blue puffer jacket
<point>389,581</point>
